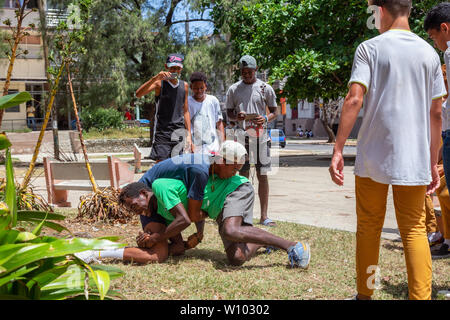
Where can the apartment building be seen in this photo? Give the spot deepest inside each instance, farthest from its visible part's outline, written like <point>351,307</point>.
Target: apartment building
<point>29,70</point>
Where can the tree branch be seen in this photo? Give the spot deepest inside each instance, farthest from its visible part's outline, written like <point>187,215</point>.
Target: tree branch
<point>336,77</point>
<point>169,16</point>
<point>193,20</point>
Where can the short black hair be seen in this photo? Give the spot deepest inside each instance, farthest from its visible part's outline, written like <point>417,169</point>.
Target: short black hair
<point>198,76</point>
<point>395,7</point>
<point>437,16</point>
<point>132,191</point>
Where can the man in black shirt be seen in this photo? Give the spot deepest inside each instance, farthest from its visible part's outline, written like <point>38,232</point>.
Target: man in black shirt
<point>172,120</point>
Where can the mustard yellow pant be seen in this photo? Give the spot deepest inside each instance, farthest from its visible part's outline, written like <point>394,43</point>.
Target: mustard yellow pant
<point>444,200</point>
<point>371,198</point>
<point>430,218</point>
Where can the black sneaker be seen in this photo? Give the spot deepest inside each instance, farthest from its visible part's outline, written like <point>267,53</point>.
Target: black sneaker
<point>442,253</point>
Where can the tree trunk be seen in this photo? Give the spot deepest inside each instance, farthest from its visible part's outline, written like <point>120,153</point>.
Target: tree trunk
<point>326,126</point>
<point>80,133</point>
<point>44,37</point>
<point>27,178</point>
<point>151,117</point>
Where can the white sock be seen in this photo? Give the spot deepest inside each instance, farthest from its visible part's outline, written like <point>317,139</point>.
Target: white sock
<point>447,242</point>
<point>112,254</point>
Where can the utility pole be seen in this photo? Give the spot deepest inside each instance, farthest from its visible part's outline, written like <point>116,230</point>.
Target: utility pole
<point>187,27</point>
<point>42,18</point>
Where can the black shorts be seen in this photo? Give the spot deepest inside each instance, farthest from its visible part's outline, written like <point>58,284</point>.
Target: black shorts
<point>155,217</point>
<point>163,150</point>
<point>258,154</point>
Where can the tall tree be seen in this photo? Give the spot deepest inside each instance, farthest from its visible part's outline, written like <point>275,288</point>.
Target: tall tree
<point>311,42</point>
<point>128,45</point>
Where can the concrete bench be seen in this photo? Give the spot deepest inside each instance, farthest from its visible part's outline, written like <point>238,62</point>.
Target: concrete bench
<point>139,154</point>
<point>60,177</point>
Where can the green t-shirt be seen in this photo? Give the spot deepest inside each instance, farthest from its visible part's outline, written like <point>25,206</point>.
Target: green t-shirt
<point>169,193</point>
<point>213,201</point>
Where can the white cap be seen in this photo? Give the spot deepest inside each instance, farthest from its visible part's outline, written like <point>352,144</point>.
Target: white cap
<point>232,152</point>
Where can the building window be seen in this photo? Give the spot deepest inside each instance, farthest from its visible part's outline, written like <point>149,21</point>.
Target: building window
<point>294,127</point>
<point>36,91</point>
<point>294,113</point>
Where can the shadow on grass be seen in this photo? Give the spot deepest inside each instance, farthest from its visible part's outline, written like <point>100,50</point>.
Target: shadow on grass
<point>218,259</point>
<point>400,290</point>
<point>393,246</point>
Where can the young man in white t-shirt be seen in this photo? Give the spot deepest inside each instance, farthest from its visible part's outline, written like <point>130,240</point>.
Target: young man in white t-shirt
<point>398,77</point>
<point>207,126</point>
<point>437,25</point>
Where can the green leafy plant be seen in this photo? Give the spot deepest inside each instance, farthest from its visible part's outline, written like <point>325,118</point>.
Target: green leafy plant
<point>101,119</point>
<point>35,266</point>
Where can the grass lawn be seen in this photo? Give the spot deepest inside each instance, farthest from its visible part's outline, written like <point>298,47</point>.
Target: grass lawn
<point>203,272</point>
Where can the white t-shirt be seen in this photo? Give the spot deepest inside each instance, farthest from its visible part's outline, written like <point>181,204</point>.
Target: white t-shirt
<point>402,75</point>
<point>251,98</point>
<point>446,104</point>
<point>204,117</point>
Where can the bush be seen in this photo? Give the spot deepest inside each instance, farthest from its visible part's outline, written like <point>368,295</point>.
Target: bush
<point>101,119</point>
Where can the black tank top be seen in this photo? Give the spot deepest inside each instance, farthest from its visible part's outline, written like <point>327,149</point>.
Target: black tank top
<point>169,110</point>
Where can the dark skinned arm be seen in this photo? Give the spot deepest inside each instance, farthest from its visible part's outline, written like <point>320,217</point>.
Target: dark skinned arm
<point>220,130</point>
<point>180,223</point>
<point>197,215</point>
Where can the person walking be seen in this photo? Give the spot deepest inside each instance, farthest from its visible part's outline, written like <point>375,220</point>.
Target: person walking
<point>398,77</point>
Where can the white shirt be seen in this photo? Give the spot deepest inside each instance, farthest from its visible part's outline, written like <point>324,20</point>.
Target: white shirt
<point>251,98</point>
<point>204,118</point>
<point>402,75</point>
<point>446,104</point>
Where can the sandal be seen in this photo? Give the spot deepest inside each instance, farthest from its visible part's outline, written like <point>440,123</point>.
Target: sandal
<point>268,223</point>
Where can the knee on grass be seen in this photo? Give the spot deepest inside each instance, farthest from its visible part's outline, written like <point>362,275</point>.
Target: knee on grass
<point>236,257</point>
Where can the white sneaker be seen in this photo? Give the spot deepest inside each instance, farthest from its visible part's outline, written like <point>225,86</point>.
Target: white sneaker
<point>434,237</point>
<point>88,256</point>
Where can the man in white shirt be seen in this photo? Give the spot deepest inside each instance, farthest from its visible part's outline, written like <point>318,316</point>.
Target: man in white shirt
<point>207,126</point>
<point>437,25</point>
<point>398,77</point>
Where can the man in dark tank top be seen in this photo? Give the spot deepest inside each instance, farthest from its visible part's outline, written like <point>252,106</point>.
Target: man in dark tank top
<point>172,127</point>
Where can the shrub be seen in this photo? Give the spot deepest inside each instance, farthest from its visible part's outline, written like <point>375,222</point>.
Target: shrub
<point>101,119</point>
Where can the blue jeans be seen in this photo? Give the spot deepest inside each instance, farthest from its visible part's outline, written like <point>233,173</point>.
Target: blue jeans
<point>446,155</point>
<point>31,123</point>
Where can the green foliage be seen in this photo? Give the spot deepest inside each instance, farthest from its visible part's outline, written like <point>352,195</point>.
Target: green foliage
<point>39,267</point>
<point>15,99</point>
<point>129,44</point>
<point>312,42</point>
<point>101,119</point>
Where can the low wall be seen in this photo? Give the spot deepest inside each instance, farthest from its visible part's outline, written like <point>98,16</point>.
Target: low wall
<point>115,145</point>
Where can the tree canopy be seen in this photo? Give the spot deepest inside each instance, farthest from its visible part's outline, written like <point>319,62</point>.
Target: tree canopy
<point>311,42</point>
